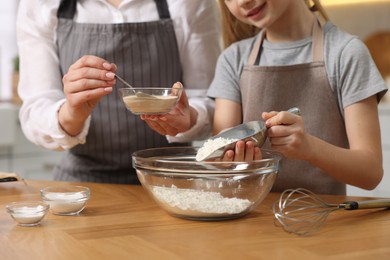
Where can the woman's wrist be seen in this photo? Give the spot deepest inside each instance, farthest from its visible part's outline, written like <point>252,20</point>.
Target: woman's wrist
<point>69,124</point>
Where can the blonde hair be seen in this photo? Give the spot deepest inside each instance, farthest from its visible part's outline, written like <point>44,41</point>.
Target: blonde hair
<point>316,6</point>
<point>234,30</point>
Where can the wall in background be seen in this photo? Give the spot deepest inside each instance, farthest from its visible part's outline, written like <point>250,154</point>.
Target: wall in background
<point>361,19</point>
<point>8,48</point>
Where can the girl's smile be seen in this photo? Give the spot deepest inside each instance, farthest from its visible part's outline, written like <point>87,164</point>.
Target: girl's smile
<point>256,13</point>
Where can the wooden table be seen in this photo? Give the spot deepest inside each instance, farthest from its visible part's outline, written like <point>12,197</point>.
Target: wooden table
<point>123,222</point>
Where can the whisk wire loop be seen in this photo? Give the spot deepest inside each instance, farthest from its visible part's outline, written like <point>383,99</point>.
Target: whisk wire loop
<point>302,212</point>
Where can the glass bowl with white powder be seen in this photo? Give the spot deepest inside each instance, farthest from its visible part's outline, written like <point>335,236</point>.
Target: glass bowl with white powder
<point>150,101</point>
<point>204,190</point>
<point>27,213</point>
<point>67,199</point>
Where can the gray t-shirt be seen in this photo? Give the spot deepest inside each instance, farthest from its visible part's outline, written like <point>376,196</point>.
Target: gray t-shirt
<point>351,70</point>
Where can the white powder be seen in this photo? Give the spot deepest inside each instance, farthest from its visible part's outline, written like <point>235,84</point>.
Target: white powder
<point>150,105</point>
<point>212,145</point>
<point>200,203</point>
<point>29,215</point>
<point>66,203</point>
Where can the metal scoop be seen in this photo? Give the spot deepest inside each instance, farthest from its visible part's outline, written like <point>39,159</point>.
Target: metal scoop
<point>138,94</point>
<point>255,131</point>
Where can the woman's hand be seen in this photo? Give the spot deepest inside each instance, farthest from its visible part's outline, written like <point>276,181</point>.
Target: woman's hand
<point>179,120</point>
<point>287,134</point>
<point>86,82</point>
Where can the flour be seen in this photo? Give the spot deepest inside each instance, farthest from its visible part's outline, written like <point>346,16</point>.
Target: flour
<point>199,203</point>
<point>66,203</point>
<point>212,145</point>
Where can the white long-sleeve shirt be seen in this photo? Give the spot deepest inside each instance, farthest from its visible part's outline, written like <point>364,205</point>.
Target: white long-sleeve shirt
<point>40,84</point>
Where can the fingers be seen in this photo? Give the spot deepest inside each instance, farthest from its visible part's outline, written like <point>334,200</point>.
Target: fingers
<point>89,72</point>
<point>244,151</point>
<point>279,118</point>
<point>177,85</point>
<point>268,115</point>
<point>88,79</point>
<point>91,61</point>
<point>160,125</point>
<point>156,127</point>
<point>78,98</point>
<point>183,104</point>
<point>258,155</point>
<point>286,133</point>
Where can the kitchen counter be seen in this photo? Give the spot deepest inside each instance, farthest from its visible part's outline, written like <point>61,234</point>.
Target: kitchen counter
<point>123,222</point>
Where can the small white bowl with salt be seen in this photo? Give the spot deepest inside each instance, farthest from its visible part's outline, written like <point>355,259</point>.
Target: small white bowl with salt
<point>27,213</point>
<point>66,200</point>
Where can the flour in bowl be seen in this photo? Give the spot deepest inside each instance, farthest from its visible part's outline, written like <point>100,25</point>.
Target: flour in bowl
<point>150,105</point>
<point>200,203</point>
<point>212,145</point>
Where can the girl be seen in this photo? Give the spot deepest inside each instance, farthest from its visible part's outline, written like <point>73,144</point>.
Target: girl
<point>297,61</point>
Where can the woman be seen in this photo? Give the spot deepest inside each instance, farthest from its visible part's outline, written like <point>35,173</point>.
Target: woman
<point>69,54</point>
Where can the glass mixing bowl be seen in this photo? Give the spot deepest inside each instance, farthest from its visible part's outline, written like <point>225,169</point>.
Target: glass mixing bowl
<point>203,190</point>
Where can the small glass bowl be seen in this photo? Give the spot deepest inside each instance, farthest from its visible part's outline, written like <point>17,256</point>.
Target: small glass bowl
<point>66,200</point>
<point>150,101</point>
<point>28,213</point>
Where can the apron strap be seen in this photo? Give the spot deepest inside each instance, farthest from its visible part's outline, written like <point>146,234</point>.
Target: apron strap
<point>67,9</point>
<point>317,44</point>
<point>162,8</point>
<point>256,49</point>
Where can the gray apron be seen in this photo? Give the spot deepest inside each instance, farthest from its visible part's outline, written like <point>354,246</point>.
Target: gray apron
<point>147,56</point>
<point>305,86</point>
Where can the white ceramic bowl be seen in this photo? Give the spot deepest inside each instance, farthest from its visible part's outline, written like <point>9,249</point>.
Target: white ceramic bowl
<point>27,213</point>
<point>66,200</point>
<point>150,101</point>
<point>203,190</point>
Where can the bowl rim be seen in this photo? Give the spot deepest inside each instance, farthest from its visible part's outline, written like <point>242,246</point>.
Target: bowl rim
<point>33,203</point>
<point>153,88</point>
<point>215,171</point>
<point>48,189</point>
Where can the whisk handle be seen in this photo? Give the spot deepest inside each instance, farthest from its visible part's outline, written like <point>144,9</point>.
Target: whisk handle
<point>365,204</point>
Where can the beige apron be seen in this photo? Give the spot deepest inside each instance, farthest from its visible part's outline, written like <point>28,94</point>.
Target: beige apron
<point>305,86</point>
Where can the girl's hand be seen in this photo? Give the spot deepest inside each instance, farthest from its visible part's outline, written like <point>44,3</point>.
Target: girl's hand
<point>86,82</point>
<point>179,120</point>
<point>287,134</point>
<point>243,152</point>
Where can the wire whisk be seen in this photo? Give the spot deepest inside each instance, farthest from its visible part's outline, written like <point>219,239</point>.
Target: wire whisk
<point>302,212</point>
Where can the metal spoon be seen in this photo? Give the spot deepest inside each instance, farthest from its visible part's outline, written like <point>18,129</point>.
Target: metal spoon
<point>138,94</point>
<point>255,131</point>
